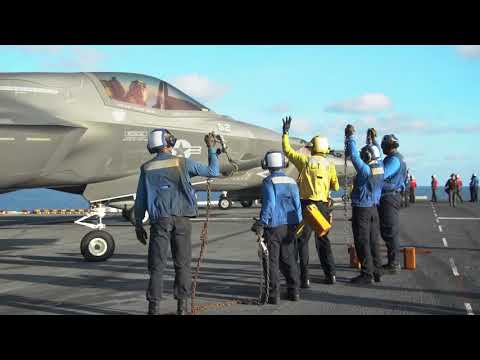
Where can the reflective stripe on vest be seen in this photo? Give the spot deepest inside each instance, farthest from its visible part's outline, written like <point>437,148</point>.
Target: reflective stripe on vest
<point>283,180</point>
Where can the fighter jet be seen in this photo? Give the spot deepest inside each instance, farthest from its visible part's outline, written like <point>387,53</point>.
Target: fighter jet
<point>86,133</point>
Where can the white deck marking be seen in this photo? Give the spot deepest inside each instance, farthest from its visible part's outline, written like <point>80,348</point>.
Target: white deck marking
<point>458,218</point>
<point>469,309</point>
<point>440,228</point>
<point>38,139</point>
<point>454,267</point>
<point>7,139</point>
<point>445,242</point>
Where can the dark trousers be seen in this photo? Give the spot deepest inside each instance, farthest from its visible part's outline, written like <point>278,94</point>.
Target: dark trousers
<point>473,194</point>
<point>412,195</point>
<point>388,212</point>
<point>451,197</point>
<point>365,226</point>
<point>173,231</point>
<point>404,199</point>
<point>324,248</point>
<point>434,195</point>
<point>281,247</point>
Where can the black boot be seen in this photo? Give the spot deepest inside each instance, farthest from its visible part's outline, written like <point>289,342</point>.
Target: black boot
<point>377,277</point>
<point>391,269</point>
<point>305,284</point>
<point>274,300</point>
<point>293,295</point>
<point>362,279</point>
<point>330,279</point>
<point>153,308</point>
<point>182,307</point>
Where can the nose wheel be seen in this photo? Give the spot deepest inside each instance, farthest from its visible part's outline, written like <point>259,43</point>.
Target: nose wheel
<point>224,203</point>
<point>97,245</point>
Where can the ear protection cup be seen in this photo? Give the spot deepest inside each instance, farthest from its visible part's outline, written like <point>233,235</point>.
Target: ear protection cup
<point>170,139</point>
<point>264,164</point>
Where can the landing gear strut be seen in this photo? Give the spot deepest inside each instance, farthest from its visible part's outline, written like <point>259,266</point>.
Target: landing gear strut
<point>97,245</point>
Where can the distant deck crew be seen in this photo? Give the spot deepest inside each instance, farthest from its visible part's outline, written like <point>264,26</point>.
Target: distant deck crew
<point>434,187</point>
<point>413,187</point>
<point>473,188</point>
<point>316,179</point>
<point>458,192</point>
<point>367,190</point>
<point>395,173</point>
<point>165,190</point>
<point>405,191</point>
<point>281,213</point>
<point>450,188</point>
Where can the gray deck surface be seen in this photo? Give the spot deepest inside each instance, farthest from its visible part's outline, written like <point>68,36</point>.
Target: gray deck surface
<point>42,271</point>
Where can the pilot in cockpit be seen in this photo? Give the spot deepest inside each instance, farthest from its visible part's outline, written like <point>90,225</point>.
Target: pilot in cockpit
<point>137,93</point>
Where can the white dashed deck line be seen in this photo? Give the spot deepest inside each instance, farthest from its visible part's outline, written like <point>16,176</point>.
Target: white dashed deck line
<point>445,242</point>
<point>469,309</point>
<point>458,218</point>
<point>454,267</point>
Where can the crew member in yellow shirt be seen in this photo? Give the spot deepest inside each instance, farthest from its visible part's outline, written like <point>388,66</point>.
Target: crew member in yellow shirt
<point>317,177</point>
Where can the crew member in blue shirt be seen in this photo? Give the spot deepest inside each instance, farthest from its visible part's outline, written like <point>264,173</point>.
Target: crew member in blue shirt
<point>367,189</point>
<point>474,188</point>
<point>395,175</point>
<point>165,191</point>
<point>281,213</point>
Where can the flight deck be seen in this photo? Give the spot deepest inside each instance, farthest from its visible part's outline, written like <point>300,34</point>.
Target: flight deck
<point>43,272</point>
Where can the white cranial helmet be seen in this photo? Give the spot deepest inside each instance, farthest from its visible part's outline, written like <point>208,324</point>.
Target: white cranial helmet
<point>274,160</point>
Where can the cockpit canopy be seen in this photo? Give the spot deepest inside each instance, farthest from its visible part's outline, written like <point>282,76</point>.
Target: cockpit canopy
<point>146,91</point>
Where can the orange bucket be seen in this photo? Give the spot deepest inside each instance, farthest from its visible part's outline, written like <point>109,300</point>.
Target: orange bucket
<point>409,258</point>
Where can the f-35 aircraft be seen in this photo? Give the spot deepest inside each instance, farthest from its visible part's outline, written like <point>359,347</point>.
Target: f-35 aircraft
<point>86,133</point>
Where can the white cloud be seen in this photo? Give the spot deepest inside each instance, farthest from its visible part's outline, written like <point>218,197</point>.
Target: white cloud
<point>469,51</point>
<point>200,87</point>
<point>373,102</point>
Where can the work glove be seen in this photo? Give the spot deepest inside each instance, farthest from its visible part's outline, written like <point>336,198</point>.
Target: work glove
<point>210,140</point>
<point>371,135</point>
<point>141,234</point>
<point>349,130</point>
<point>257,228</point>
<point>286,124</point>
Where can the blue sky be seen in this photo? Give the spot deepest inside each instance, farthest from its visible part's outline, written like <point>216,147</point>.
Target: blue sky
<point>428,96</point>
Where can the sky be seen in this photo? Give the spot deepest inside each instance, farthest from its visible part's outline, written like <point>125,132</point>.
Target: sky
<point>428,96</point>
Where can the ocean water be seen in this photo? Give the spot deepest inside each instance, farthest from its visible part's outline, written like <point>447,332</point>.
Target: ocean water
<point>51,199</point>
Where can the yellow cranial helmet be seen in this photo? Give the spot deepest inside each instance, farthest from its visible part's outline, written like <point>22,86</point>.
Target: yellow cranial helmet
<point>319,144</point>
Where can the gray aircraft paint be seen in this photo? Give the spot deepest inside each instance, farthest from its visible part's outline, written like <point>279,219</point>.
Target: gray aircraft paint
<point>60,130</point>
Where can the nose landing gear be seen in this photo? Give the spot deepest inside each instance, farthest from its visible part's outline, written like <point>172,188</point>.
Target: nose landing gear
<point>97,245</point>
